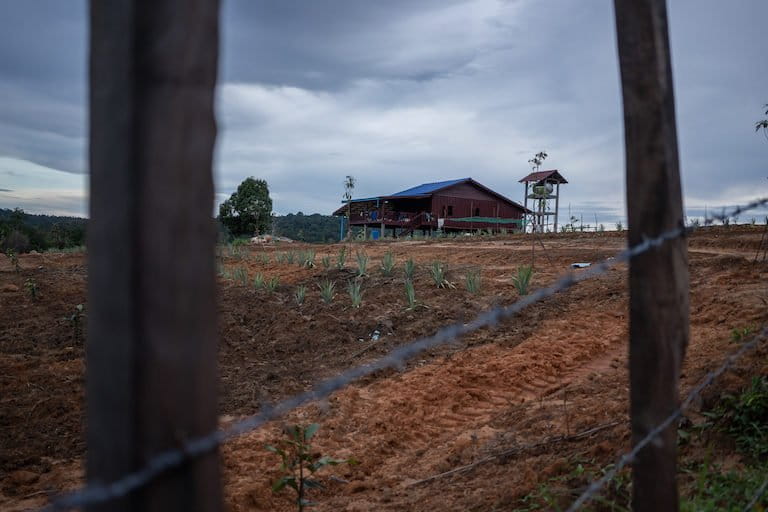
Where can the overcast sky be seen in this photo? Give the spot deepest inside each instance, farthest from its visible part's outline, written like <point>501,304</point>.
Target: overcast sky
<point>403,92</point>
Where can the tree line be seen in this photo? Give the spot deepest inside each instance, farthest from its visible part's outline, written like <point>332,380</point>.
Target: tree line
<point>24,232</point>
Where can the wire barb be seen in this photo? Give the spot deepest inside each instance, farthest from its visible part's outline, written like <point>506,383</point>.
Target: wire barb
<point>95,493</point>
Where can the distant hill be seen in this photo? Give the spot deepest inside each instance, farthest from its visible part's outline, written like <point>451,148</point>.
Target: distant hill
<point>24,232</point>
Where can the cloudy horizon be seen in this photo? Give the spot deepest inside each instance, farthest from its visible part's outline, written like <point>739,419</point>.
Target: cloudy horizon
<point>402,93</point>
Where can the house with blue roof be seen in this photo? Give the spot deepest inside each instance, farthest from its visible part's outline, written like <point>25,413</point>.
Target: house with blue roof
<point>453,205</point>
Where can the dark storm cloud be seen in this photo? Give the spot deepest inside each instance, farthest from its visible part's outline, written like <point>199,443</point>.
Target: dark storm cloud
<point>401,92</point>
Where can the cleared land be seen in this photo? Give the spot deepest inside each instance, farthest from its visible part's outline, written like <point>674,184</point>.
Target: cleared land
<point>559,368</point>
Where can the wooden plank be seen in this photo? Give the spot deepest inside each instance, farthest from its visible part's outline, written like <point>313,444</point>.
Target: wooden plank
<point>151,355</point>
<point>658,279</point>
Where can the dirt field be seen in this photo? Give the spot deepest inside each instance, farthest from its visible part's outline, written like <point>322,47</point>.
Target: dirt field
<point>557,369</point>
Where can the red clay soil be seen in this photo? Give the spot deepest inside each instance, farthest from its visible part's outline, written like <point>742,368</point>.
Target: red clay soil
<point>556,369</point>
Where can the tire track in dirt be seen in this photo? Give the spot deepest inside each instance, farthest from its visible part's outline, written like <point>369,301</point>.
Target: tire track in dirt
<point>409,426</point>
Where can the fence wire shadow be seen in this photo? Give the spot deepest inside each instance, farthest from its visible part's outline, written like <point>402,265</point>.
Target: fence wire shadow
<point>162,462</point>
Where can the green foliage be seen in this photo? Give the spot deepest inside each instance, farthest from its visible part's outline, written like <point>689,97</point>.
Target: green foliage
<point>387,263</point>
<point>24,232</point>
<point>730,491</point>
<point>307,259</point>
<point>290,257</point>
<point>409,268</point>
<point>313,228</point>
<point>258,281</point>
<point>240,275</point>
<point>300,294</point>
<point>354,288</point>
<point>327,290</point>
<point>326,261</point>
<point>14,257</point>
<point>522,280</point>
<point>299,462</point>
<point>744,417</point>
<point>248,210</point>
<point>31,287</point>
<point>263,258</point>
<point>740,334</point>
<point>341,259</point>
<point>410,294</point>
<point>437,271</point>
<point>273,283</point>
<point>473,281</point>
<point>362,263</point>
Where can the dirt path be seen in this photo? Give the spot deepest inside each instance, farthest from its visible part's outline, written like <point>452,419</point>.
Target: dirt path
<point>405,428</point>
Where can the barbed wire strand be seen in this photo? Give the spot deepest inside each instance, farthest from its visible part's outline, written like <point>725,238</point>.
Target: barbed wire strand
<point>758,494</point>
<point>164,461</point>
<point>628,457</point>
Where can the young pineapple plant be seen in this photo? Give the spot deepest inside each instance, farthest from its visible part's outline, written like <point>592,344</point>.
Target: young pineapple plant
<point>472,281</point>
<point>240,275</point>
<point>522,280</point>
<point>410,295</point>
<point>409,269</point>
<point>258,281</point>
<point>387,263</point>
<point>308,261</point>
<point>341,259</point>
<point>326,262</point>
<point>300,294</point>
<point>437,271</point>
<point>272,284</point>
<point>327,290</point>
<point>354,288</point>
<point>362,263</point>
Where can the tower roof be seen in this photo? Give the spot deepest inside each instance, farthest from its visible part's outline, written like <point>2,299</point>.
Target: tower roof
<point>551,175</point>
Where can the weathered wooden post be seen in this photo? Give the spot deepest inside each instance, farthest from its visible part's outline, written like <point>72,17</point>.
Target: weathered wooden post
<point>151,354</point>
<point>658,279</point>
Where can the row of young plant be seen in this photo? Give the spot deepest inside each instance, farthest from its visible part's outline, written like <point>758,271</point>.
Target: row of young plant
<point>327,287</point>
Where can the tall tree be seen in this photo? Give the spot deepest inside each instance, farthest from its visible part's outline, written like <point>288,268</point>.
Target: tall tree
<point>349,187</point>
<point>248,210</point>
<point>537,160</point>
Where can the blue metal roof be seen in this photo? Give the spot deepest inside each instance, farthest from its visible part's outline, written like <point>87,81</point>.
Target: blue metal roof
<point>427,188</point>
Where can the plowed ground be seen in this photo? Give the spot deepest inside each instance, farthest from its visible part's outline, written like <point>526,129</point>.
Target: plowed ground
<point>557,369</point>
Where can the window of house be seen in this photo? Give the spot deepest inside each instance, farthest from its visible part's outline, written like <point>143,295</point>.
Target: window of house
<point>450,210</point>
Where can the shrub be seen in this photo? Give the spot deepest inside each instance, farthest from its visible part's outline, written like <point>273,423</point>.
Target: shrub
<point>355,293</point>
<point>473,281</point>
<point>522,280</point>
<point>362,263</point>
<point>299,462</point>
<point>301,292</point>
<point>387,263</point>
<point>327,290</point>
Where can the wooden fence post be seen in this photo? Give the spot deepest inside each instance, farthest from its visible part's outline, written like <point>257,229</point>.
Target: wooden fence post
<point>151,349</point>
<point>658,279</point>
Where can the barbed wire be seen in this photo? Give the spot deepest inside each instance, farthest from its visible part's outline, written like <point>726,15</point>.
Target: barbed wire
<point>162,462</point>
<point>758,494</point>
<point>628,457</point>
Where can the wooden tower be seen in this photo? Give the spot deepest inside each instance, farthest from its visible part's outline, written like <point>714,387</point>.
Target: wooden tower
<point>541,188</point>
